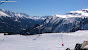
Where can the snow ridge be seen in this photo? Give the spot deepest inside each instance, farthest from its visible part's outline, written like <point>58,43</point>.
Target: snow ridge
<point>18,15</point>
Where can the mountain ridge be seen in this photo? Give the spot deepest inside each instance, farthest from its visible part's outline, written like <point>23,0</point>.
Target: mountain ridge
<point>70,22</point>
<point>16,22</point>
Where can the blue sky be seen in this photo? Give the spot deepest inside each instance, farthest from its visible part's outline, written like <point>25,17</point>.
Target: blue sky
<point>45,7</point>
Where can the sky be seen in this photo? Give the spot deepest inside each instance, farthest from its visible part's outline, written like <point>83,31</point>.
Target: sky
<point>44,7</point>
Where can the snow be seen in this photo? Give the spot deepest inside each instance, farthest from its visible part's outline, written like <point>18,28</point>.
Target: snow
<point>80,12</point>
<point>49,41</point>
<point>16,19</point>
<point>63,16</point>
<point>36,18</point>
<point>19,15</point>
<point>85,9</point>
<point>3,14</point>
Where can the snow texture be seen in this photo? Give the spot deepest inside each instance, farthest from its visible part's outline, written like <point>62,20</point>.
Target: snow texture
<point>49,41</point>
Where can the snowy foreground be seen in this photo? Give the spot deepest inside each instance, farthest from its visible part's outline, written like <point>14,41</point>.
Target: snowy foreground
<point>44,42</point>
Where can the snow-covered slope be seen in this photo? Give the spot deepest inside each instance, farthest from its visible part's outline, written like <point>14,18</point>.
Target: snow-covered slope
<point>3,14</point>
<point>61,16</point>
<point>49,41</point>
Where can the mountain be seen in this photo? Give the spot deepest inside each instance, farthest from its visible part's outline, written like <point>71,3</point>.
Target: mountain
<point>78,13</point>
<point>16,22</point>
<point>19,15</point>
<point>70,22</point>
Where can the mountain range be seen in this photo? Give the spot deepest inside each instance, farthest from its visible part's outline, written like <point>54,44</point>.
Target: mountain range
<point>17,22</point>
<point>25,24</point>
<point>70,22</point>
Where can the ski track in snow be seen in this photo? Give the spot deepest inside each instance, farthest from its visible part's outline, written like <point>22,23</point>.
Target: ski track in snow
<point>49,41</point>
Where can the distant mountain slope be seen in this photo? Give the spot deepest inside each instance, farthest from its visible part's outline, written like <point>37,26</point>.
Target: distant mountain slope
<point>71,22</point>
<point>16,22</point>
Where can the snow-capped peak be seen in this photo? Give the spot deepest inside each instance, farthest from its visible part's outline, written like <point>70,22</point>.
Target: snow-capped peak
<point>3,14</point>
<point>78,13</point>
<point>14,14</point>
<point>19,15</point>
